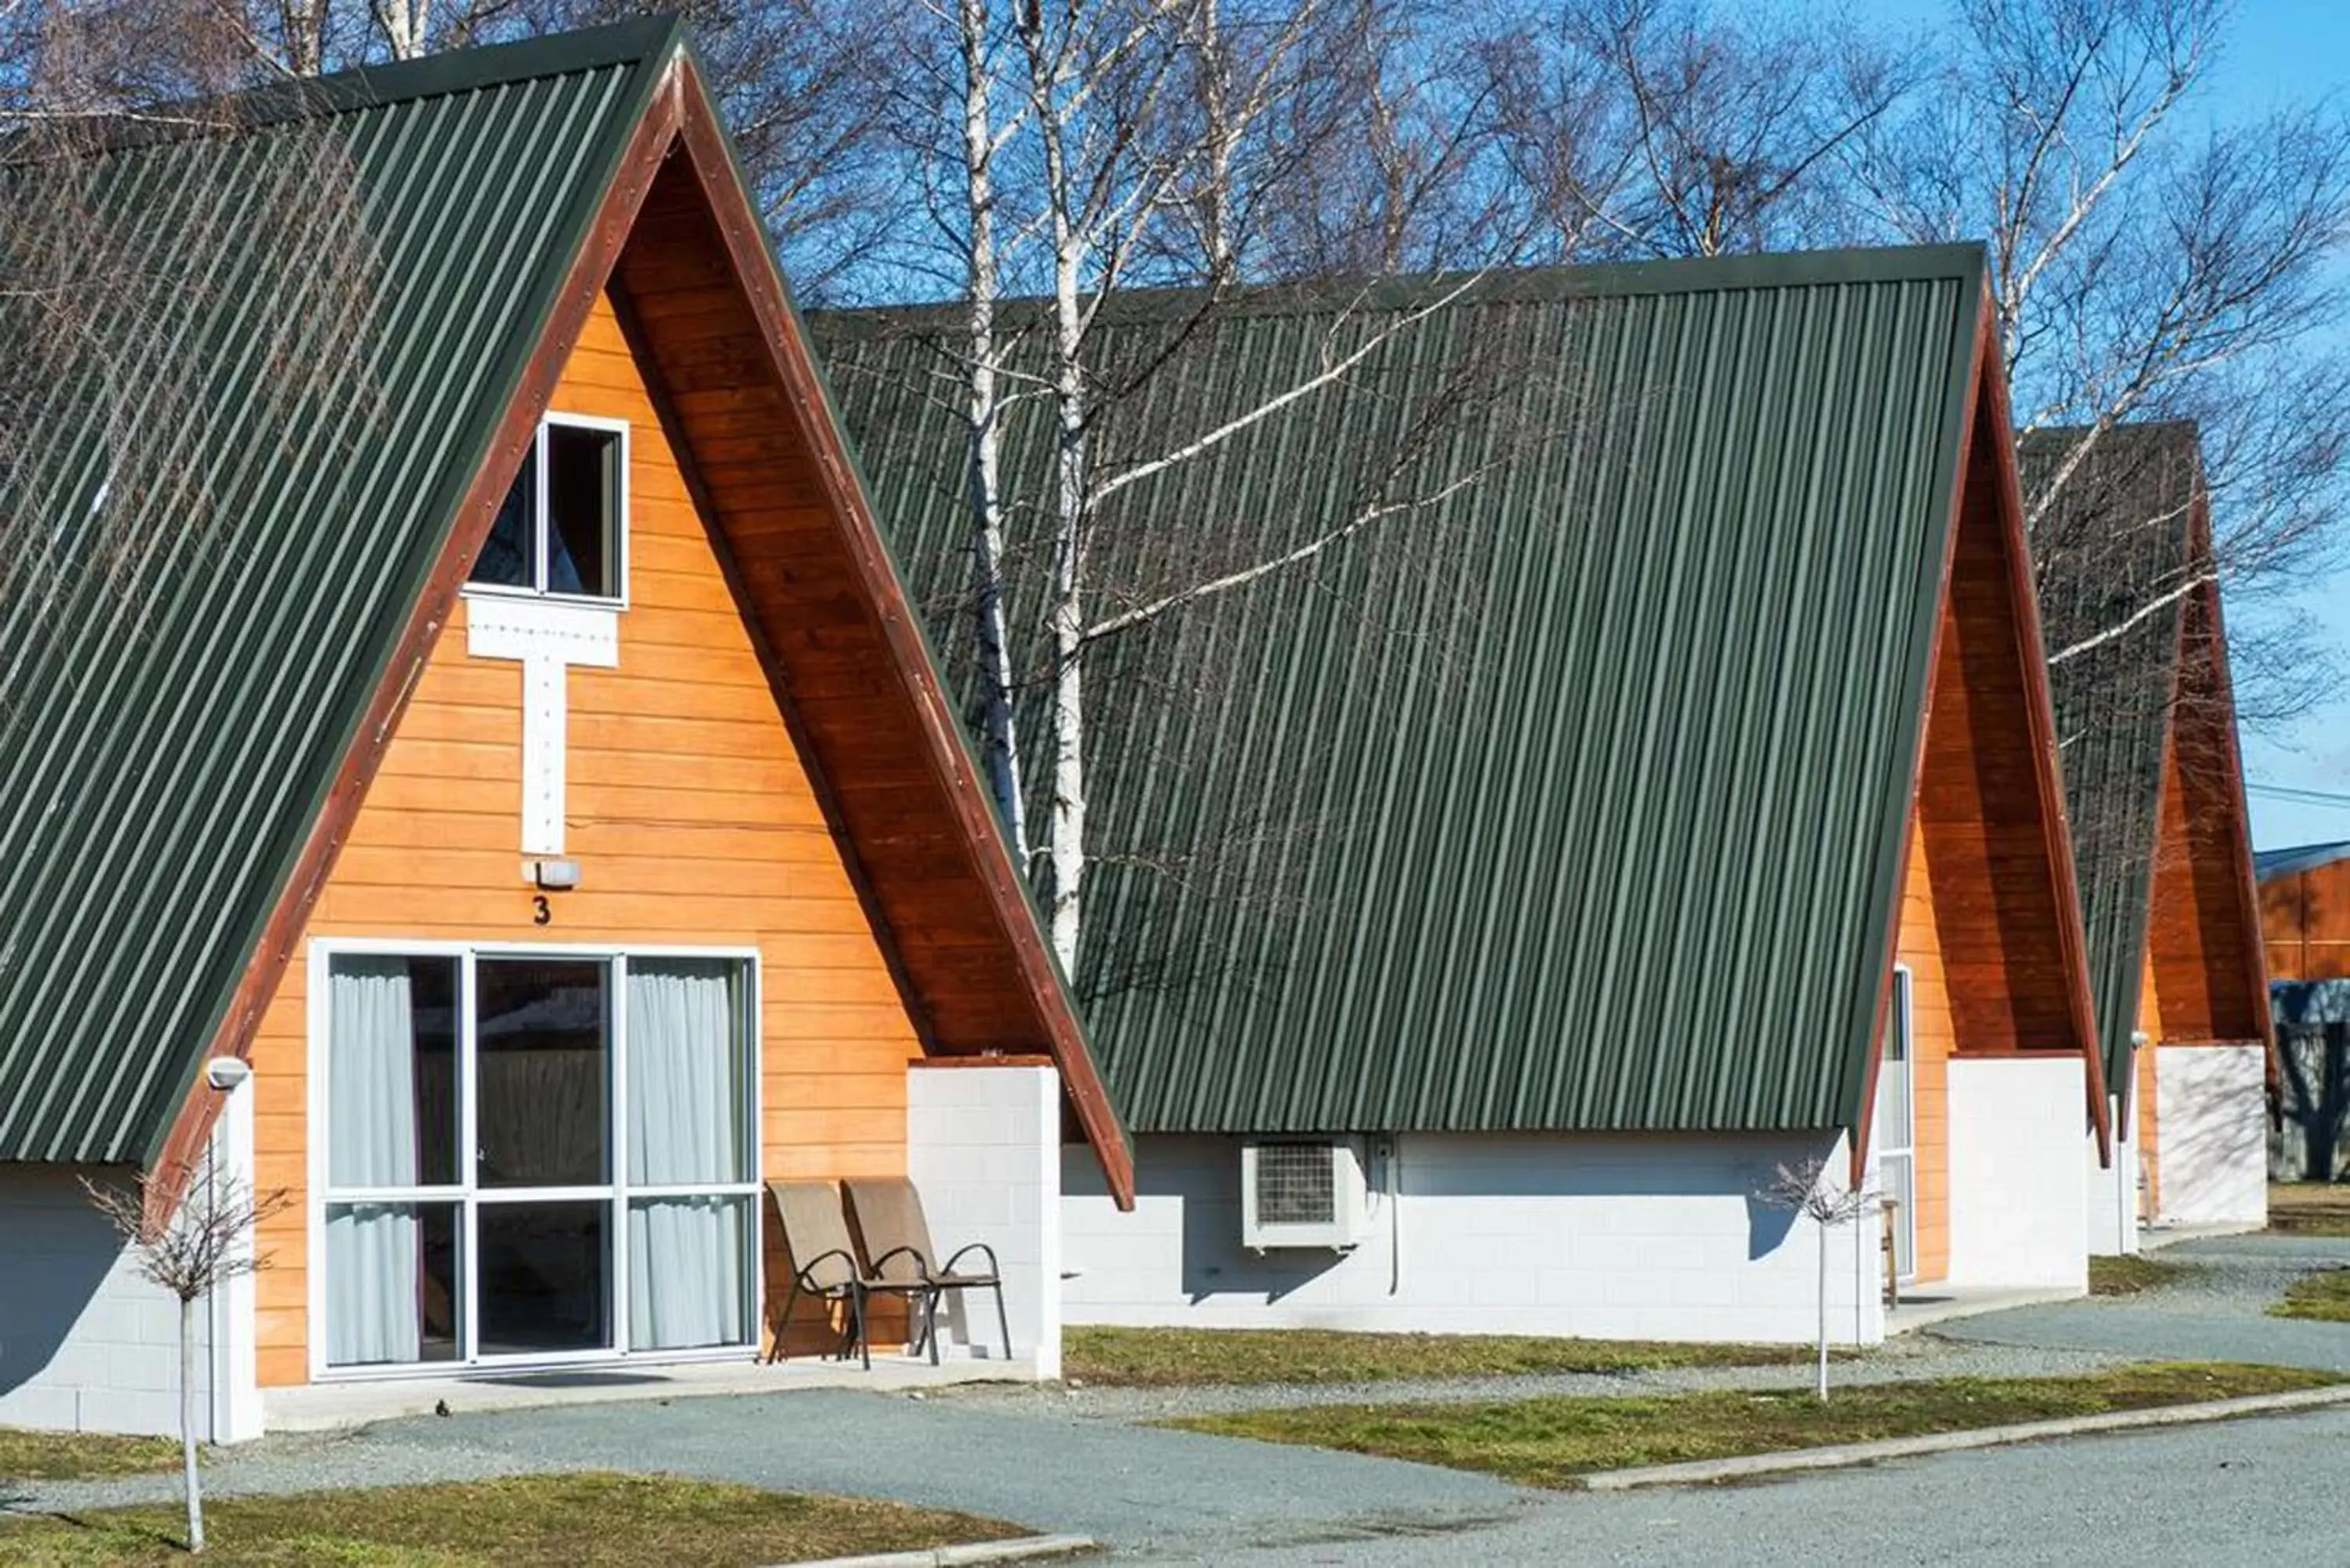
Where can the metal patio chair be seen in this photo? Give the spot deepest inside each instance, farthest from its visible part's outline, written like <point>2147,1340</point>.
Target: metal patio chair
<point>897,1257</point>
<point>825,1264</point>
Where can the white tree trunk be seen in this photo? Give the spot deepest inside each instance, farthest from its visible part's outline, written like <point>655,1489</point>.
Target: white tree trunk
<point>1824,1311</point>
<point>999,739</point>
<point>1068,824</point>
<point>1071,499</point>
<point>403,26</point>
<point>188,1423</point>
<point>1222,138</point>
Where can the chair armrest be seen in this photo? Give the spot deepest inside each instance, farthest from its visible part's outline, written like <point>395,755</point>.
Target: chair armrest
<point>810,1286</point>
<point>961,1253</point>
<point>922,1265</point>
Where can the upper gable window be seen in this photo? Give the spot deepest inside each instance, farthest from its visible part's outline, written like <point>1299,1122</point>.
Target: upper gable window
<point>563,530</point>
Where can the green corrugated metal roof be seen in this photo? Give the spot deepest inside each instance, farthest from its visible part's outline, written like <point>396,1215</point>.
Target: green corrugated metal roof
<point>2119,537</point>
<point>1385,831</point>
<point>158,778</point>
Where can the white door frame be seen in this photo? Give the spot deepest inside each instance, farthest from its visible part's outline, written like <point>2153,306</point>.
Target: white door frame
<point>468,1195</point>
<point>1901,1046</point>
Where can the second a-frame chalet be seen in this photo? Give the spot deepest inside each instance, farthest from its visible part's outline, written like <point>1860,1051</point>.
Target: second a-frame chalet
<point>2145,719</point>
<point>1723,832</point>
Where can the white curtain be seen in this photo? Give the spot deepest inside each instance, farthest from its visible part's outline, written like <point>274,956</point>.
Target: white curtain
<point>372,1248</point>
<point>686,1254</point>
<point>685,1273</point>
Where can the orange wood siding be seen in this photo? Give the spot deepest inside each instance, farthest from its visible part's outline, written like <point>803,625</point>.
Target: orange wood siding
<point>2306,923</point>
<point>2204,956</point>
<point>1996,899</point>
<point>1919,944</point>
<point>693,819</point>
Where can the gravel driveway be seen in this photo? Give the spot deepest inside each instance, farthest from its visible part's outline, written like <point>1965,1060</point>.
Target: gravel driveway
<point>2216,1314</point>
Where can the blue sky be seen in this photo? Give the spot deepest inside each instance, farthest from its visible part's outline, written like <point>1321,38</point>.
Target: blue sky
<point>2298,49</point>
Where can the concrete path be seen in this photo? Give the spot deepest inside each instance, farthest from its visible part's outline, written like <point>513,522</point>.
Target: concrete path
<point>2216,1314</point>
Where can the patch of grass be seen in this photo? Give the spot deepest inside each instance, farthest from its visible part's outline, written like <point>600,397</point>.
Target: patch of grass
<point>530,1522</point>
<point>1552,1442</point>
<point>2309,1209</point>
<point>2322,1297</point>
<point>2128,1276</point>
<point>81,1455</point>
<point>1176,1357</point>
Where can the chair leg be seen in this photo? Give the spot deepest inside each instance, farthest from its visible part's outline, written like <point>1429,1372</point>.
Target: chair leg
<point>784,1324</point>
<point>864,1339</point>
<point>930,1321</point>
<point>1002,1322</point>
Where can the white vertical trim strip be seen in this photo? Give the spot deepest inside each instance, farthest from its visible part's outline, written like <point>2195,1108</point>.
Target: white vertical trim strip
<point>235,1373</point>
<point>313,1145</point>
<point>469,1153</point>
<point>545,731</point>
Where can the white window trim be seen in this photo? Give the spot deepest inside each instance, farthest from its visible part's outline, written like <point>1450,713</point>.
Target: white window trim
<point>537,460</point>
<point>1901,1014</point>
<point>318,1193</point>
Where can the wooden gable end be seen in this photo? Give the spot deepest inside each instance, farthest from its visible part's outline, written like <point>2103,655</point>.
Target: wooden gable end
<point>2204,945</point>
<point>698,314</point>
<point>1990,816</point>
<point>736,387</point>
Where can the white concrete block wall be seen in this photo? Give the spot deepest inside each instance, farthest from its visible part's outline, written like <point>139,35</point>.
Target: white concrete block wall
<point>88,1346</point>
<point>983,1147</point>
<point>85,1345</point>
<point>2211,1105</point>
<point>2019,1207</point>
<point>2112,1199</point>
<point>1602,1237</point>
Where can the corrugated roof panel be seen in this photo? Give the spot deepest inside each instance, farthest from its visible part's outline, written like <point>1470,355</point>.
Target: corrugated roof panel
<point>1571,799</point>
<point>2119,538</point>
<point>162,769</point>
<point>2298,857</point>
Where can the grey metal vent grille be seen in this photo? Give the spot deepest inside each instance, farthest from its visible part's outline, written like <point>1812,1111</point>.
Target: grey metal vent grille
<point>1294,1185</point>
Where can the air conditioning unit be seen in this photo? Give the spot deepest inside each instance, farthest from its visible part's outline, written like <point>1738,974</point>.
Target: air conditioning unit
<point>1301,1192</point>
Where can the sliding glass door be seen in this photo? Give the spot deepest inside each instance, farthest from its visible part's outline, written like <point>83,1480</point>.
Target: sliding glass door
<point>536,1157</point>
<point>542,1159</point>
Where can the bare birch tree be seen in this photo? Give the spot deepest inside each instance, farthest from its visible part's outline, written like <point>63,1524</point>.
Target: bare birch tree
<point>1807,1189</point>
<point>1642,128</point>
<point>2147,266</point>
<point>1100,148</point>
<point>188,1253</point>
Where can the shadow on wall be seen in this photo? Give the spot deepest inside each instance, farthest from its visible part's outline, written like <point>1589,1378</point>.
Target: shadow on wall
<point>2214,1146</point>
<point>1214,1261</point>
<point>1465,1183</point>
<point>1767,1225</point>
<point>58,1251</point>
